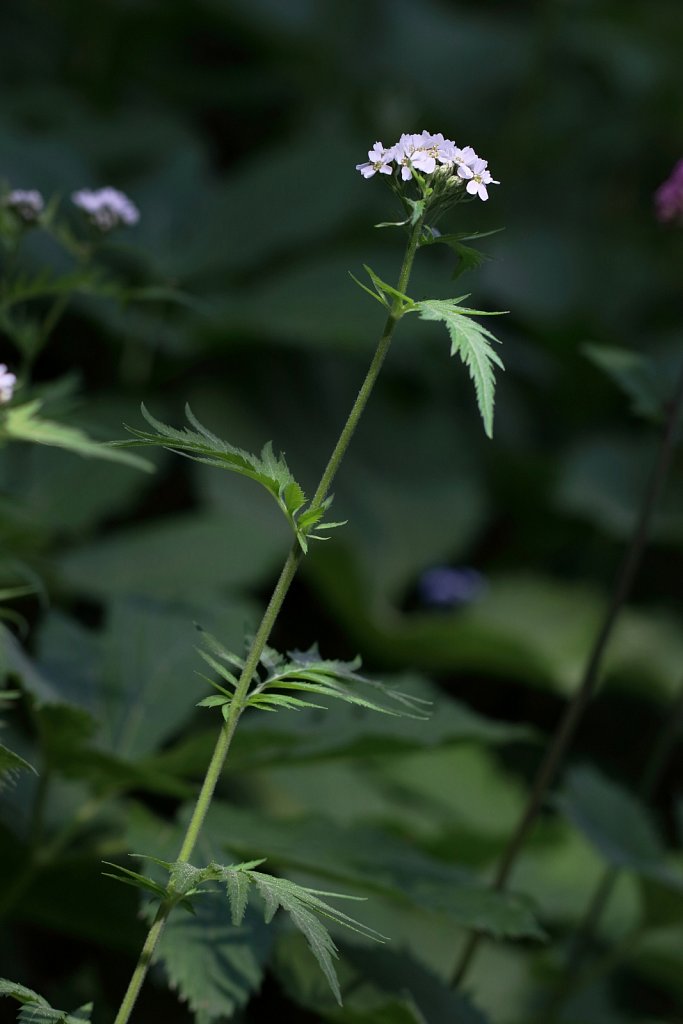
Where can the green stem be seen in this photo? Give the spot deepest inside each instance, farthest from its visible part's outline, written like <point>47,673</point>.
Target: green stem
<point>269,617</point>
<point>577,705</point>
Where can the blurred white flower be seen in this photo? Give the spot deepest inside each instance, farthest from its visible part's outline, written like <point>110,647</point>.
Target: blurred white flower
<point>7,382</point>
<point>106,208</point>
<point>27,203</point>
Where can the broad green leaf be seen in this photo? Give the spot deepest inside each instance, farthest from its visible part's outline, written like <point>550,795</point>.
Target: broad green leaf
<point>214,967</point>
<point>615,823</point>
<point>23,423</point>
<point>188,557</point>
<point>472,343</point>
<point>602,479</point>
<point>136,679</point>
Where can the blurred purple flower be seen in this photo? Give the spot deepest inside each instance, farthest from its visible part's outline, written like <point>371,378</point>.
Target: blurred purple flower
<point>106,208</point>
<point>445,587</point>
<point>27,203</point>
<point>669,196</point>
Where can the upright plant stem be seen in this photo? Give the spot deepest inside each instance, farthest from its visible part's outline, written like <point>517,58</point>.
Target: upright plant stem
<point>261,638</point>
<point>577,705</point>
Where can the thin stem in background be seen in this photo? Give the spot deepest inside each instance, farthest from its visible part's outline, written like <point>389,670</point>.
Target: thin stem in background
<point>270,615</point>
<point>665,742</point>
<point>577,705</point>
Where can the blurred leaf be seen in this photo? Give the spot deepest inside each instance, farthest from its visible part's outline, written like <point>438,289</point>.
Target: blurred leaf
<point>603,478</point>
<point>189,557</point>
<point>10,764</point>
<point>136,680</point>
<point>22,423</point>
<point>634,374</point>
<point>214,967</point>
<point>615,823</point>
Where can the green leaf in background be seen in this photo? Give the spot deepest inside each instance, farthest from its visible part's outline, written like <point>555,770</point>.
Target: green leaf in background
<point>136,679</point>
<point>615,823</point>
<point>377,985</point>
<point>602,479</point>
<point>193,557</point>
<point>214,967</point>
<point>634,374</point>
<point>22,423</point>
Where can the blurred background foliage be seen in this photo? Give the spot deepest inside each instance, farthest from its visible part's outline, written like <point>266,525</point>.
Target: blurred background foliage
<point>235,126</point>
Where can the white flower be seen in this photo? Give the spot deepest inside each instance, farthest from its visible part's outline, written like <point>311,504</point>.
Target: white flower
<point>379,159</point>
<point>481,177</point>
<point>106,208</point>
<point>27,203</point>
<point>7,382</point>
<point>415,151</point>
<point>424,152</point>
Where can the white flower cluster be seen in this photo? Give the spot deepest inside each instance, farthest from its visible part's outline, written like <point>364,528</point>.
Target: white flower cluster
<point>27,203</point>
<point>425,152</point>
<point>106,207</point>
<point>7,382</point>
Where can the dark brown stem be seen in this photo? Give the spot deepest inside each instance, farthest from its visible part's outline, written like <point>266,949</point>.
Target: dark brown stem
<point>577,705</point>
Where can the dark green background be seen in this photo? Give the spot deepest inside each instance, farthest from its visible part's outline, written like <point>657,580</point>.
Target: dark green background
<point>235,127</point>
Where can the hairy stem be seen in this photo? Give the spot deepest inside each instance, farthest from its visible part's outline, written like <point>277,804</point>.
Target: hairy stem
<point>261,638</point>
<point>577,705</point>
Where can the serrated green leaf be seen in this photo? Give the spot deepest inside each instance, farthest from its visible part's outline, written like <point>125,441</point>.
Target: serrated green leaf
<point>238,895</point>
<point>215,967</point>
<point>36,1010</point>
<point>471,342</point>
<point>377,863</point>
<point>201,445</point>
<point>306,671</point>
<point>135,879</point>
<point>304,906</point>
<point>21,993</point>
<point>23,423</point>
